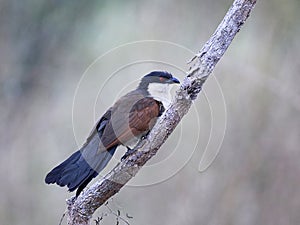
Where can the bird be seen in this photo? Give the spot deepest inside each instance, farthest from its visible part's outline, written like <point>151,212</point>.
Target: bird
<point>126,122</point>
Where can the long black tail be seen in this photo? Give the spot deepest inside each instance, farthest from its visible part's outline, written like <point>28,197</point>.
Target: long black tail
<point>77,172</point>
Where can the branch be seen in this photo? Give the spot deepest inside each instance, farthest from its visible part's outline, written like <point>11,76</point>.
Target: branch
<point>80,210</point>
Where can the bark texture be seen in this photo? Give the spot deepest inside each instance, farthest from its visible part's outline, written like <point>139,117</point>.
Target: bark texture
<point>80,210</point>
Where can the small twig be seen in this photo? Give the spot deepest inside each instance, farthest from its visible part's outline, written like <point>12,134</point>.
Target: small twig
<point>62,217</point>
<point>97,221</point>
<point>118,215</point>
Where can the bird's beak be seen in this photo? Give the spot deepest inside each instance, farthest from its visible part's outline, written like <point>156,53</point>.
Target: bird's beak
<point>174,80</point>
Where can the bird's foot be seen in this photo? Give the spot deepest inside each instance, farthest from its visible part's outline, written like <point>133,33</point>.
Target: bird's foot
<point>145,136</point>
<point>129,152</point>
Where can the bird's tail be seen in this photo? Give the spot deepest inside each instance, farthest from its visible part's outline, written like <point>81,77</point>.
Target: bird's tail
<point>80,168</point>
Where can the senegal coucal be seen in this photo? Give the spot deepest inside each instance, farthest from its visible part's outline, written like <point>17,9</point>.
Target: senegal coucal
<point>125,123</point>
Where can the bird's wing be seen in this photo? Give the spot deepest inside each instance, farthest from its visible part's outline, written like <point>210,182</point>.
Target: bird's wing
<point>98,130</point>
<point>131,117</point>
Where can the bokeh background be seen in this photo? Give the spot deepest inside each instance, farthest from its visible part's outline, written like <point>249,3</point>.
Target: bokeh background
<point>46,47</point>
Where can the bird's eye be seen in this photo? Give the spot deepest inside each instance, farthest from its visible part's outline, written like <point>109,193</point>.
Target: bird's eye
<point>162,79</point>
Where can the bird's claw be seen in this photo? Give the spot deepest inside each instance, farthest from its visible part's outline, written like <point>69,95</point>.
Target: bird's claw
<point>127,153</point>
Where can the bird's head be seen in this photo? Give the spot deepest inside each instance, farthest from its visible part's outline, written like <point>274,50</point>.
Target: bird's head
<point>160,77</point>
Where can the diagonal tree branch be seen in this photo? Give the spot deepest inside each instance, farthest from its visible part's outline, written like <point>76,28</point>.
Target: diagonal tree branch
<point>80,210</point>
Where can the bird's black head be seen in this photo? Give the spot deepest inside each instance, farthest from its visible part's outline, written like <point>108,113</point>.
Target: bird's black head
<point>161,77</point>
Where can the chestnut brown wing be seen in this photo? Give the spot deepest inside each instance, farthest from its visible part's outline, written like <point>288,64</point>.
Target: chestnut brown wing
<point>131,118</point>
<point>143,115</point>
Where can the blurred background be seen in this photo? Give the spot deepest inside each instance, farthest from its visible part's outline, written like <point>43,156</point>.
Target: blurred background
<point>50,98</point>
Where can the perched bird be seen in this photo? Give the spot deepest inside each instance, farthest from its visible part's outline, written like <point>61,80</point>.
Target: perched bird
<point>125,123</point>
